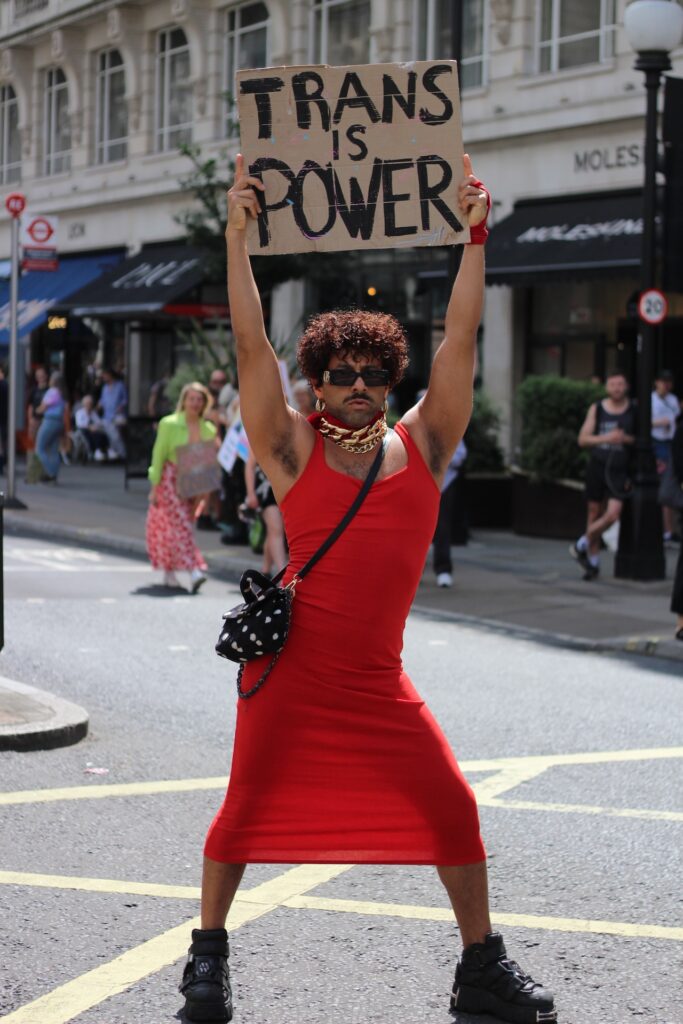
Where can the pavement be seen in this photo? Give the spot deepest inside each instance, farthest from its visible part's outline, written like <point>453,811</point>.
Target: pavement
<point>521,586</point>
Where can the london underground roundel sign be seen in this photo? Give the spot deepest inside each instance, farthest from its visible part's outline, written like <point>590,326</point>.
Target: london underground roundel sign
<point>653,306</point>
<point>40,230</point>
<point>15,203</point>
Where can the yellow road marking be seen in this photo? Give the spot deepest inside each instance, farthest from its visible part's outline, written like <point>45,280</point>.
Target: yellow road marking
<point>613,812</point>
<point>561,924</point>
<point>75,997</point>
<point>298,881</point>
<point>506,779</point>
<point>534,764</point>
<point>110,885</point>
<point>100,792</point>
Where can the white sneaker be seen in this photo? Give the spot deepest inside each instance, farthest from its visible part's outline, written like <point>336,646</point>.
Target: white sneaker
<point>99,455</point>
<point>197,579</point>
<point>444,579</point>
<point>112,454</point>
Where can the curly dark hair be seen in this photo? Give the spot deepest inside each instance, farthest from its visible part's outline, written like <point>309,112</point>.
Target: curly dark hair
<point>357,332</point>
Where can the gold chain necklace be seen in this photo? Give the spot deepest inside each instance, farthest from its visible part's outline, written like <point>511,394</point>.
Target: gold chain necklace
<point>364,439</point>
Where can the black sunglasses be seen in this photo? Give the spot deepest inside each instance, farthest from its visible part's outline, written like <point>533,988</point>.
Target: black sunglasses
<point>345,376</point>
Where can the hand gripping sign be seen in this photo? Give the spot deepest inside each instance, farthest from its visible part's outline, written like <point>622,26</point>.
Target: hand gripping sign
<point>363,157</point>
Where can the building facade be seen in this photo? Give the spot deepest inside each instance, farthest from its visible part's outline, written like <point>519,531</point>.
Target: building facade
<point>97,97</point>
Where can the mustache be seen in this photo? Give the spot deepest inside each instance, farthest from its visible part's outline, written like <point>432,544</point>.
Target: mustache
<point>355,398</point>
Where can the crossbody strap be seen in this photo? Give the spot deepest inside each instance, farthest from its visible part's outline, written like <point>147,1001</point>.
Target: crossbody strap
<point>339,529</point>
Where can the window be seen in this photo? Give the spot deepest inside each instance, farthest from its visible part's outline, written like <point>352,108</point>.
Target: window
<point>10,147</point>
<point>432,21</point>
<point>173,90</point>
<point>340,32</point>
<point>56,128</point>
<point>574,32</point>
<point>246,45</point>
<point>111,128</point>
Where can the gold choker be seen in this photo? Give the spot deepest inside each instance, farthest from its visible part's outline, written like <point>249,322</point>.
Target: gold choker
<point>364,439</point>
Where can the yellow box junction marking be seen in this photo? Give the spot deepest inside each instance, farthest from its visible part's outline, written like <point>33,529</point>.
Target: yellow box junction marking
<point>291,888</point>
<point>511,767</point>
<point>93,987</point>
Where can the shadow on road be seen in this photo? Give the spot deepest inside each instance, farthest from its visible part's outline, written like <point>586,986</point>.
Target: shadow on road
<point>159,590</point>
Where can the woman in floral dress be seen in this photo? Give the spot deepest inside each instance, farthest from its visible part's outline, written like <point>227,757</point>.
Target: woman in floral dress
<point>170,518</point>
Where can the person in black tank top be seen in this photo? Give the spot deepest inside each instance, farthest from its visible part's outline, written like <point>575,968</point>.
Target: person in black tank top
<point>609,433</point>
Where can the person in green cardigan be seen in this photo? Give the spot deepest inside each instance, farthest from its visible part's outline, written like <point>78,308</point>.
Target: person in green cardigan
<point>170,518</point>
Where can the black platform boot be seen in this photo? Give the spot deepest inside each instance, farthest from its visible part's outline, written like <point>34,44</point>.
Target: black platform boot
<point>487,982</point>
<point>206,978</point>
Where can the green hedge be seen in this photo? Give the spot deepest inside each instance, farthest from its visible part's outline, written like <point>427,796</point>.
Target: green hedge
<point>484,454</point>
<point>552,411</point>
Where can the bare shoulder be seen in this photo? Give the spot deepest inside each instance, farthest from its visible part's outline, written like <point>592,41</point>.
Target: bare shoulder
<point>283,454</point>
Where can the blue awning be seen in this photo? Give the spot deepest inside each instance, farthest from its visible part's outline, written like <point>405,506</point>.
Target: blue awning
<point>40,290</point>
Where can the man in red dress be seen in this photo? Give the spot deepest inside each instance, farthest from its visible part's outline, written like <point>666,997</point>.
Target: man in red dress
<point>337,759</point>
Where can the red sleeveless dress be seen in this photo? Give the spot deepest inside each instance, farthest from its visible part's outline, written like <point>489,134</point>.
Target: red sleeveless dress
<point>337,759</point>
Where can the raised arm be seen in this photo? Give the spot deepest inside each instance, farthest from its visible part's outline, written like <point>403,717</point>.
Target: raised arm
<point>438,421</point>
<point>268,420</point>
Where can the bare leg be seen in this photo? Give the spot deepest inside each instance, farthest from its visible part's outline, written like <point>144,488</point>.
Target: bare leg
<point>276,537</point>
<point>596,529</point>
<point>595,509</point>
<point>468,890</point>
<point>219,885</point>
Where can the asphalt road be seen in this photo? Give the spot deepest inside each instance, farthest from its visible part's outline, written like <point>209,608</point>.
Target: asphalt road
<point>575,758</point>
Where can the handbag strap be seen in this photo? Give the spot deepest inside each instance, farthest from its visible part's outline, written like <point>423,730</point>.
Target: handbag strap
<point>339,529</point>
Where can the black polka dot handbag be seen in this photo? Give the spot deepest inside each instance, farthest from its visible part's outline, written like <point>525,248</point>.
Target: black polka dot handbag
<point>259,627</point>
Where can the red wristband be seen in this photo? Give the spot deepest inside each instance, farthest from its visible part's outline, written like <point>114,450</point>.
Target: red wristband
<point>479,232</point>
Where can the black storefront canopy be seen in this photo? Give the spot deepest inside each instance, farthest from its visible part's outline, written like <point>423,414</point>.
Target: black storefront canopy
<point>142,284</point>
<point>566,237</point>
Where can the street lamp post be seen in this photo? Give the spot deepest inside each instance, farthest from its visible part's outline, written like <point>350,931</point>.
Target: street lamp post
<point>654,28</point>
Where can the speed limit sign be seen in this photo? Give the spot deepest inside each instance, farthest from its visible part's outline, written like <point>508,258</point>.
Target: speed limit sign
<point>15,203</point>
<point>652,306</point>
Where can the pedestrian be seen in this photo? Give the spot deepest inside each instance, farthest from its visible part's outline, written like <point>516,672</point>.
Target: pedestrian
<point>35,397</point>
<point>677,467</point>
<point>90,429</point>
<point>665,411</point>
<point>113,405</point>
<point>608,432</point>
<point>260,497</point>
<point>337,758</point>
<point>443,563</point>
<point>218,379</point>
<point>170,518</point>
<point>51,429</point>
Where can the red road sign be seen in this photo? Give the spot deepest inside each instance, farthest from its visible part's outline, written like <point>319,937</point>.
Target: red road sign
<point>15,203</point>
<point>653,306</point>
<point>40,230</point>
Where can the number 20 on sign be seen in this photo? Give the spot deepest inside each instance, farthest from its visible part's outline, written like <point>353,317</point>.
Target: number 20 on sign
<point>653,306</point>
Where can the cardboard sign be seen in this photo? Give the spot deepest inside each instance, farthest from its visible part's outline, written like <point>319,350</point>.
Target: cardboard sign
<point>363,157</point>
<point>198,470</point>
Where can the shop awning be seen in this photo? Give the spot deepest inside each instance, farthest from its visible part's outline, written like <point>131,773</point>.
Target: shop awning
<point>573,237</point>
<point>40,290</point>
<point>141,284</point>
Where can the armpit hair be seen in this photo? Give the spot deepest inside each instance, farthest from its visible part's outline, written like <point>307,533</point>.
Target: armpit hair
<point>284,453</point>
<point>437,452</point>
